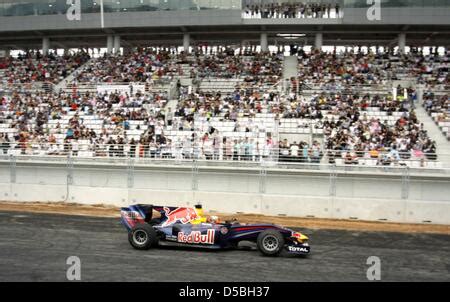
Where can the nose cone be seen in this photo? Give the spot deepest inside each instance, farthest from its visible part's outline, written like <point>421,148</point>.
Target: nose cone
<point>300,237</point>
<point>303,237</point>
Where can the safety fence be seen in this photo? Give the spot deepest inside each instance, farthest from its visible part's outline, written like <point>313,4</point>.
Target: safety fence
<point>246,153</point>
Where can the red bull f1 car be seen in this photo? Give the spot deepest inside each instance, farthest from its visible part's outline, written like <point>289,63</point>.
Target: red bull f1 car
<point>181,226</point>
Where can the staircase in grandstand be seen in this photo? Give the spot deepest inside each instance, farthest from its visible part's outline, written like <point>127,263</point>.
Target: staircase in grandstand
<point>63,84</point>
<point>290,71</point>
<point>437,127</point>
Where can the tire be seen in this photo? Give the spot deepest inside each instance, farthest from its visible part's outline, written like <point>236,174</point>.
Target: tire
<point>143,237</point>
<point>270,242</point>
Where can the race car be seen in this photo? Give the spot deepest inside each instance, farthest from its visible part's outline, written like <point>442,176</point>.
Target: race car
<point>149,226</point>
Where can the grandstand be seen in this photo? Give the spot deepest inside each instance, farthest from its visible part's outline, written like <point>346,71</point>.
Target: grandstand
<point>239,107</point>
<point>314,85</point>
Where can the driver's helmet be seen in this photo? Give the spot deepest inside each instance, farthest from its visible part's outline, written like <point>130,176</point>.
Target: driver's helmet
<point>200,216</point>
<point>213,219</point>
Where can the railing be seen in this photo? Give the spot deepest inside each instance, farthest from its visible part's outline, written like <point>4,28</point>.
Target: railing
<point>235,166</point>
<point>159,86</point>
<point>165,80</point>
<point>330,88</point>
<point>27,87</point>
<point>158,82</point>
<point>228,155</point>
<point>438,92</point>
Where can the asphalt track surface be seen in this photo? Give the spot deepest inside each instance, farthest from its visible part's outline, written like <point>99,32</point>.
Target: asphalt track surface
<point>35,247</point>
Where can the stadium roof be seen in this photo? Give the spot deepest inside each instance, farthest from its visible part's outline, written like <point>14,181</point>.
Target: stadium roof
<point>423,26</point>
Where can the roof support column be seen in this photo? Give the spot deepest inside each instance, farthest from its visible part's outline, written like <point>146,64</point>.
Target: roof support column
<point>401,42</point>
<point>116,44</point>
<point>45,45</point>
<point>318,41</point>
<point>186,42</point>
<point>110,44</point>
<point>264,42</point>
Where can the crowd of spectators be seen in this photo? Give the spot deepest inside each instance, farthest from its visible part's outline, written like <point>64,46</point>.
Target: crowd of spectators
<point>433,71</point>
<point>374,137</point>
<point>241,103</point>
<point>317,69</point>
<point>34,67</point>
<point>142,65</point>
<point>56,124</point>
<point>225,65</point>
<point>350,130</point>
<point>332,70</point>
<point>292,10</point>
<point>252,69</point>
<point>312,107</point>
<point>60,120</point>
<point>139,124</point>
<point>437,104</point>
<point>300,152</point>
<point>349,133</point>
<point>33,116</point>
<point>148,65</point>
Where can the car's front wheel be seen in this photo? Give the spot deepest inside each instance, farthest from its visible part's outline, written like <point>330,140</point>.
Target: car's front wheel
<point>142,237</point>
<point>270,242</point>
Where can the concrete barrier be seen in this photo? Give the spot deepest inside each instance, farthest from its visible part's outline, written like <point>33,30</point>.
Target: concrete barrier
<point>361,196</point>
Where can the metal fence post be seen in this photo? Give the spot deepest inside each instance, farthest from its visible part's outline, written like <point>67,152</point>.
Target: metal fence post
<point>262,179</point>
<point>69,178</point>
<point>195,172</point>
<point>333,177</point>
<point>405,183</point>
<point>12,169</point>
<point>130,172</point>
<point>69,170</point>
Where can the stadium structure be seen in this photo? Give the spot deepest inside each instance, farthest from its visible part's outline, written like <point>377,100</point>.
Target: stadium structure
<point>331,109</point>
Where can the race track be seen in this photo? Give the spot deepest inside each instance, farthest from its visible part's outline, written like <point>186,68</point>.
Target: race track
<point>34,247</point>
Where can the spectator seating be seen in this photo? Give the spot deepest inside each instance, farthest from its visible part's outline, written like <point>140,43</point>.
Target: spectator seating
<point>235,113</point>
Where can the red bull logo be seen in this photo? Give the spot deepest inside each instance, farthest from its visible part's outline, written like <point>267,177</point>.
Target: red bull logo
<point>182,215</point>
<point>197,237</point>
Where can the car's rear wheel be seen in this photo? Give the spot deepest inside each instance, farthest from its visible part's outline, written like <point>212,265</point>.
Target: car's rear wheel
<point>270,242</point>
<point>142,237</point>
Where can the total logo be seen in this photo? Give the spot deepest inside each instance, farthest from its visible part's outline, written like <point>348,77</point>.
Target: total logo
<point>298,249</point>
<point>197,237</point>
